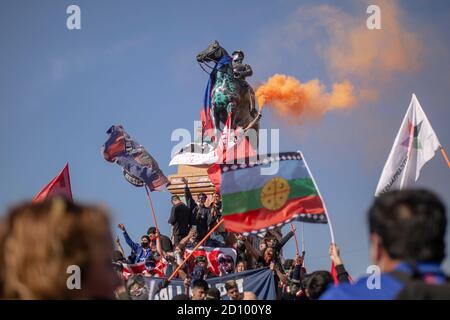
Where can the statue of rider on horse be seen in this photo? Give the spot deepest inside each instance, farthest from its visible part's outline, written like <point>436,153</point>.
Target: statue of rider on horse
<point>228,91</point>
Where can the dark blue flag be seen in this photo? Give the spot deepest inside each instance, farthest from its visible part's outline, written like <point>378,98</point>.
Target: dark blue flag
<point>138,166</point>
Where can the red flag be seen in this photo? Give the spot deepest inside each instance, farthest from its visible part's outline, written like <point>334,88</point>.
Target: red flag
<point>334,274</point>
<point>233,145</point>
<point>213,256</point>
<point>59,186</point>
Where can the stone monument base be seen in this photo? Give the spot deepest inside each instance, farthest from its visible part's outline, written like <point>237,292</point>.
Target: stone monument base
<point>198,181</point>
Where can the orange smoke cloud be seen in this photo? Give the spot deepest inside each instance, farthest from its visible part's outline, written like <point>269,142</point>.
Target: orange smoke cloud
<point>298,101</point>
<point>369,58</point>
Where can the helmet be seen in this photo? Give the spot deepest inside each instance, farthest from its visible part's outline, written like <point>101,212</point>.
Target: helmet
<point>238,52</point>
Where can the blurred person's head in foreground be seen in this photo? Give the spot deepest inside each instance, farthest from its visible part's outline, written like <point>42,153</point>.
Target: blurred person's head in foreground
<point>199,289</point>
<point>407,226</point>
<point>316,283</point>
<point>40,243</point>
<point>213,294</point>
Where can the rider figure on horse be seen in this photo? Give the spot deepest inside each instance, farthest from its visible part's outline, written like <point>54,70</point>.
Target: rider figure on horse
<point>241,70</point>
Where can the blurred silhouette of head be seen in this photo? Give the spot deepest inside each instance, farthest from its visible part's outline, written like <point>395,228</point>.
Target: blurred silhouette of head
<point>65,238</point>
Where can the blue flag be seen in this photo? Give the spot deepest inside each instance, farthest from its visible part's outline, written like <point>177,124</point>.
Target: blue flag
<point>259,281</point>
<point>138,166</point>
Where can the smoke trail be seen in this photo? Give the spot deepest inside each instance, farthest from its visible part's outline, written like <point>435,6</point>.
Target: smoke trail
<point>298,101</point>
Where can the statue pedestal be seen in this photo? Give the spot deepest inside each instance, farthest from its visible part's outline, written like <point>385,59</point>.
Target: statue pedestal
<point>198,181</point>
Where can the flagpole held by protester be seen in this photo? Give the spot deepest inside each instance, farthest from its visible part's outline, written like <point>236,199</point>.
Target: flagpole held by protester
<point>193,250</point>
<point>296,240</point>
<point>151,207</point>
<point>330,226</point>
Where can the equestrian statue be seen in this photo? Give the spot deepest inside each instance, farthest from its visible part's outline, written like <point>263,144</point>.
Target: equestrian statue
<point>227,90</point>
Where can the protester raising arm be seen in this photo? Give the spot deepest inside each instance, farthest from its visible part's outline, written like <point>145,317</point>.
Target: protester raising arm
<point>276,270</point>
<point>285,239</point>
<point>187,194</point>
<point>335,256</point>
<point>133,245</point>
<point>297,273</point>
<point>185,240</point>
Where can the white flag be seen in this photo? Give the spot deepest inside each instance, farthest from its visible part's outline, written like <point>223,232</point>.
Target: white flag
<point>415,144</point>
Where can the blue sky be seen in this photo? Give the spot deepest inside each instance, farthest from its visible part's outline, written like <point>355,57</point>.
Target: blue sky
<point>133,63</point>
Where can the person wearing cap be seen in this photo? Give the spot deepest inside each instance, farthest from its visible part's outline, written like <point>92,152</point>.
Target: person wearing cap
<point>200,268</point>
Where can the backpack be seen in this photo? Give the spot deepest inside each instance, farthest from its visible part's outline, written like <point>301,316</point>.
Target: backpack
<point>415,287</point>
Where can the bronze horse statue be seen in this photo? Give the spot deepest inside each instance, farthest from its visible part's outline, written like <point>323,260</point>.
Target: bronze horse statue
<point>226,91</point>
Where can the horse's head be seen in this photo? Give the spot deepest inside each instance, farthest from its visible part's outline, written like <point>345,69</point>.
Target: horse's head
<point>212,53</point>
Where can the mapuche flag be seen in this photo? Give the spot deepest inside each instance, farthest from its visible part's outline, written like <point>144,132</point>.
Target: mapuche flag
<point>59,186</point>
<point>253,201</point>
<point>138,166</point>
<point>415,144</point>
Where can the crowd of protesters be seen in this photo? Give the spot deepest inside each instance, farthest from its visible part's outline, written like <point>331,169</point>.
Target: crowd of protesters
<point>407,239</point>
<point>191,221</point>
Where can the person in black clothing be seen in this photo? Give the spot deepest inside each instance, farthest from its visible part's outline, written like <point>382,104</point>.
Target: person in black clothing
<point>217,238</point>
<point>292,289</point>
<point>166,243</point>
<point>216,210</point>
<point>271,253</point>
<point>335,255</point>
<point>316,283</point>
<point>201,214</point>
<point>180,219</point>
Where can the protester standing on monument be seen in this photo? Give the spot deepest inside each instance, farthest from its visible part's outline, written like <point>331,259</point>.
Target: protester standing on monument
<point>180,219</point>
<point>200,212</point>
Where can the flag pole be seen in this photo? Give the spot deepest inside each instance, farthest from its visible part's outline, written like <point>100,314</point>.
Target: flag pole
<point>195,248</point>
<point>151,206</point>
<point>330,226</point>
<point>296,240</point>
<point>303,242</point>
<point>303,237</point>
<point>444,154</point>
